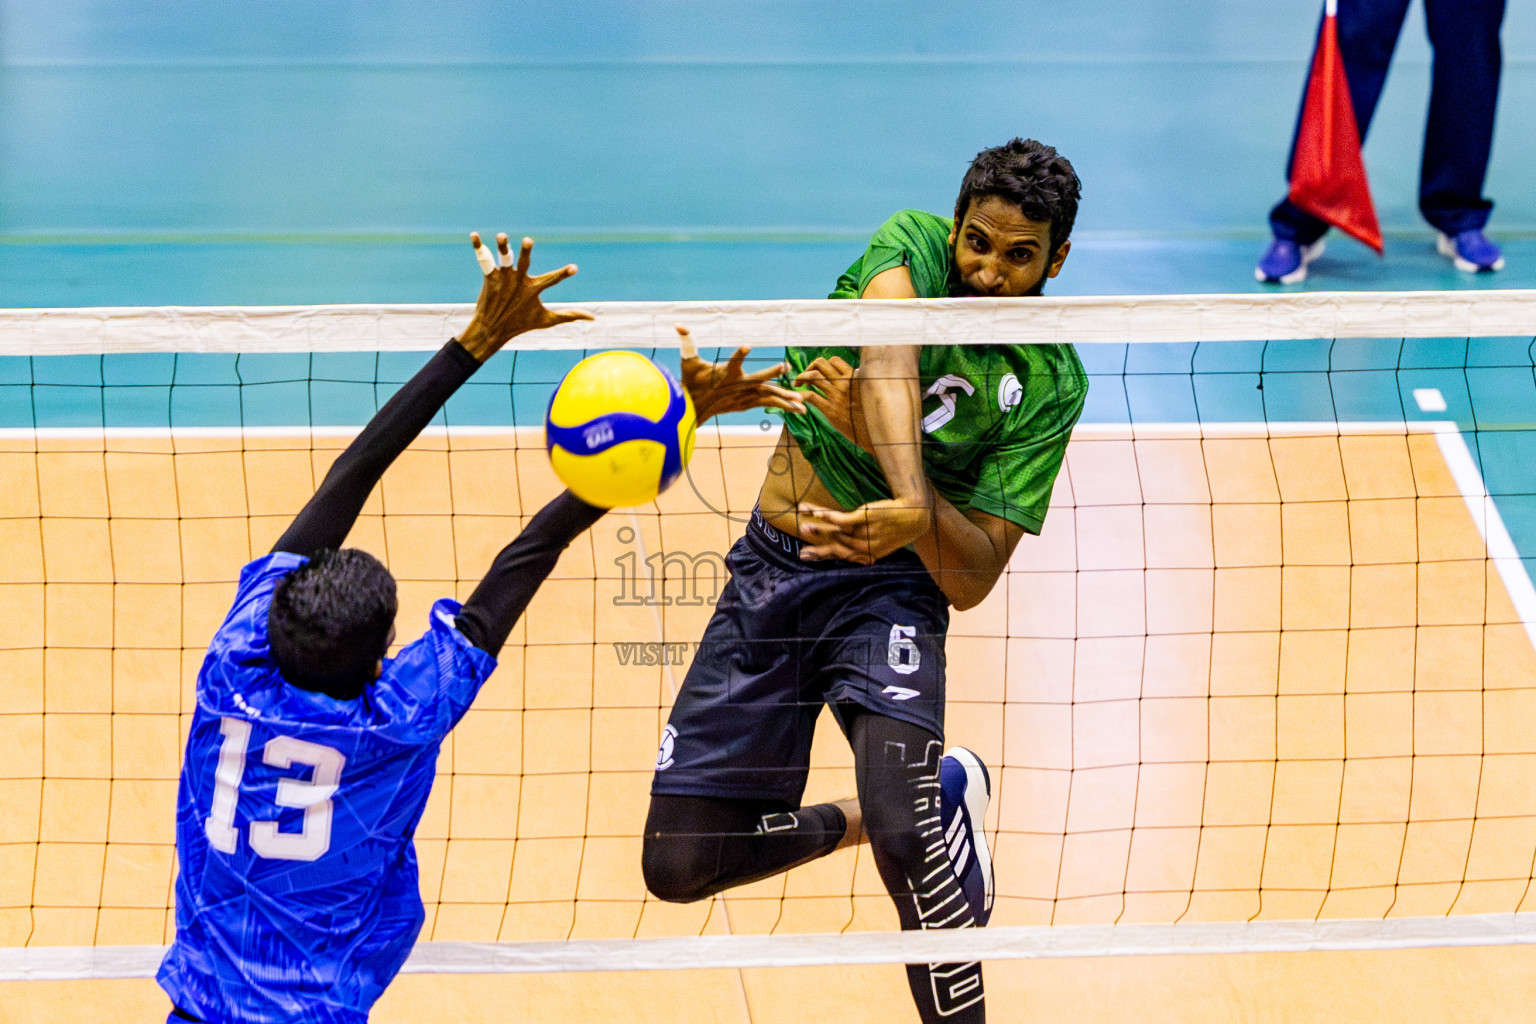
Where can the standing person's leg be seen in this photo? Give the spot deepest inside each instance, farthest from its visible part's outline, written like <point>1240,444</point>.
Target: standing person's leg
<point>1458,135</point>
<point>1368,32</point>
<point>897,765</point>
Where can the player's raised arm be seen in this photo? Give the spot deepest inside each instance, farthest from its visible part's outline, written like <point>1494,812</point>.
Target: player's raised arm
<point>510,304</point>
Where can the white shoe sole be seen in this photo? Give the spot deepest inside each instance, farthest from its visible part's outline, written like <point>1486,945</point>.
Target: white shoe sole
<point>977,795</point>
<point>1447,249</point>
<point>1308,254</point>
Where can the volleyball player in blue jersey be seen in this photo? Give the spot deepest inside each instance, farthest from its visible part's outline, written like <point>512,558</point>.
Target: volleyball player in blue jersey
<point>311,753</point>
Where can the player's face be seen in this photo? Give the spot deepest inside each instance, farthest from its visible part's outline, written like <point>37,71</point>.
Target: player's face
<point>1001,252</point>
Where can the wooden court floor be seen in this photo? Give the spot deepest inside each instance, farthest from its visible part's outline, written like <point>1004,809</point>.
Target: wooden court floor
<point>1239,677</point>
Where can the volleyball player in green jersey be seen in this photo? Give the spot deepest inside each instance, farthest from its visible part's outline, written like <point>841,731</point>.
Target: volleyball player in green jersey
<point>902,491</point>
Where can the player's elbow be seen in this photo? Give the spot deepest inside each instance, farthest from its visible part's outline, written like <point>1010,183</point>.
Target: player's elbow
<point>966,599</point>
<point>966,590</point>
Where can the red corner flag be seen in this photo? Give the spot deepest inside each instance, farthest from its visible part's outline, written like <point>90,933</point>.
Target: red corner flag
<point>1327,174</point>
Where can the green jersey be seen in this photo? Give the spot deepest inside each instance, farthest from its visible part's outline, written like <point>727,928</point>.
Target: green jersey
<point>996,418</point>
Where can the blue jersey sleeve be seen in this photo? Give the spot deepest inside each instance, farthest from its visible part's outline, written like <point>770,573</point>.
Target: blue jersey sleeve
<point>240,646</point>
<point>429,686</point>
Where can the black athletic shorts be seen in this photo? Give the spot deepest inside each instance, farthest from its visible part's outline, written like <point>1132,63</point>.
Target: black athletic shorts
<point>787,637</point>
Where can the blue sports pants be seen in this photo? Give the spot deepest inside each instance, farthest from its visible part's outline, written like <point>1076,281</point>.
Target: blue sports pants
<point>1464,92</point>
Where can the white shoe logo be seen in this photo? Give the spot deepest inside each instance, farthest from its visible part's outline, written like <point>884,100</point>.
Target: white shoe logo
<point>899,693</point>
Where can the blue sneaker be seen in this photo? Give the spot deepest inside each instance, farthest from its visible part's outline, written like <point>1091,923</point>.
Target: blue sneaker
<point>964,791</point>
<point>1285,262</point>
<point>1470,251</point>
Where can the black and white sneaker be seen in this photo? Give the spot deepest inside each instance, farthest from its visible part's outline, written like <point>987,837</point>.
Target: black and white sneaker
<point>964,791</point>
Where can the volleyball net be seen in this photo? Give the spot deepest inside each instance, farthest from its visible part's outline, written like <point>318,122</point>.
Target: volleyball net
<point>1265,682</point>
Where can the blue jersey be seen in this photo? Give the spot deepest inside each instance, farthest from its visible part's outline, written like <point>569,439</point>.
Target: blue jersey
<point>297,897</point>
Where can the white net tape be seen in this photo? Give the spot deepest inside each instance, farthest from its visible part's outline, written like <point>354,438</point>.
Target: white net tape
<point>1117,320</point>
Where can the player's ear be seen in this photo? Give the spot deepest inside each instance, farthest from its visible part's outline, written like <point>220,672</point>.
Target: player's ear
<point>1058,259</point>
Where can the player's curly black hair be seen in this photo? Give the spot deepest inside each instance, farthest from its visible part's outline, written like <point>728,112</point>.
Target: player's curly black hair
<point>330,621</point>
<point>1033,175</point>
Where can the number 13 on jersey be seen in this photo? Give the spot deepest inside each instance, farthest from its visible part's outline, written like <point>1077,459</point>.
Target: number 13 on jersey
<point>313,796</point>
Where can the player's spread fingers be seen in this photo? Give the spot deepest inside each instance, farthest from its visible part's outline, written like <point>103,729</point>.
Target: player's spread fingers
<point>816,522</point>
<point>815,378</point>
<point>566,316</point>
<point>482,254</point>
<point>813,381</point>
<point>554,277</point>
<point>741,401</point>
<point>783,398</point>
<point>831,551</point>
<point>733,366</point>
<point>816,401</point>
<point>687,348</point>
<point>772,373</point>
<point>503,249</point>
<point>837,519</point>
<point>834,368</point>
<point>525,255</point>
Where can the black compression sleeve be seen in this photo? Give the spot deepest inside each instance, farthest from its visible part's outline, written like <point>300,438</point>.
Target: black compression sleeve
<point>328,517</point>
<point>497,603</point>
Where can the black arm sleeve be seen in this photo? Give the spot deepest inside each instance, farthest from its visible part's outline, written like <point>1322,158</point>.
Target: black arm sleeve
<point>328,517</point>
<point>494,608</point>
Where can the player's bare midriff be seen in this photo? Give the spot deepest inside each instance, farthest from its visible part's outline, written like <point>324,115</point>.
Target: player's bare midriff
<point>790,480</point>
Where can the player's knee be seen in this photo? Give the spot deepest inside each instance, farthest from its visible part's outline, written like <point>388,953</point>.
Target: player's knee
<point>678,869</point>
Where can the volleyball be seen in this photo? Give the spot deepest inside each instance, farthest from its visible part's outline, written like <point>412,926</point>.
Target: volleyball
<point>619,429</point>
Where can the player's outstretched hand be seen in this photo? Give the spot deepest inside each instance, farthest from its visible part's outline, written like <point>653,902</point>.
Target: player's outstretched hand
<point>510,301</point>
<point>832,386</point>
<point>860,535</point>
<point>721,387</point>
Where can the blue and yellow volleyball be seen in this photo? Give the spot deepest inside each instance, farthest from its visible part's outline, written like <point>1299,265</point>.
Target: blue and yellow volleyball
<point>619,429</point>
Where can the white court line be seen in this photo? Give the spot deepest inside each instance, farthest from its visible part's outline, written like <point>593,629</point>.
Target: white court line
<point>79,963</point>
<point>1496,539</point>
